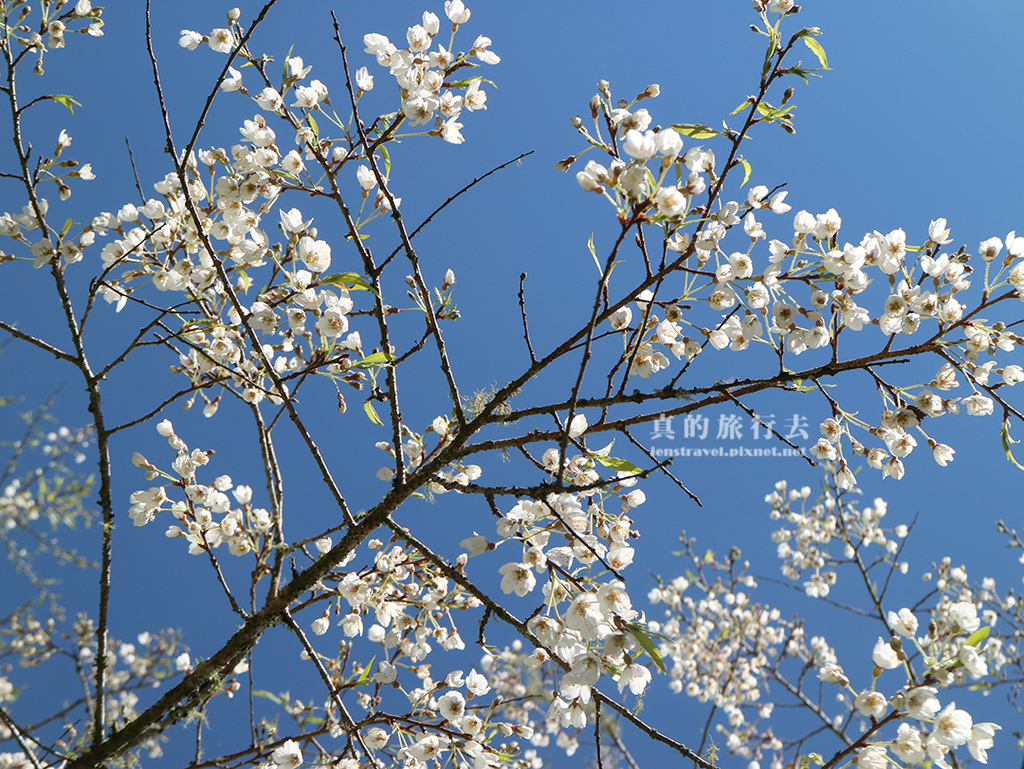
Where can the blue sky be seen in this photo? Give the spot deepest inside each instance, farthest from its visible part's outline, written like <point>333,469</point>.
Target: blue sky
<point>919,119</point>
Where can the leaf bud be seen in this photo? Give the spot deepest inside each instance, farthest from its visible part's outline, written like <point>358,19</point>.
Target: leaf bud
<point>563,165</point>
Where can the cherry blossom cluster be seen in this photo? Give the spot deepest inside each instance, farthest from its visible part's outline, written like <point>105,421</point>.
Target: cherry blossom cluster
<point>805,540</point>
<point>149,662</point>
<point>725,647</point>
<point>804,294</point>
<point>159,245</point>
<point>404,604</point>
<point>49,32</point>
<point>25,35</point>
<point>415,453</point>
<point>421,73</point>
<point>976,606</point>
<point>304,309</point>
<point>588,625</point>
<point>207,515</point>
<point>949,651</point>
<point>51,496</point>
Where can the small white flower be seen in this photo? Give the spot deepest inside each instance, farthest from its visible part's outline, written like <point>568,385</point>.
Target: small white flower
<point>908,745</point>
<point>884,655</point>
<point>989,249</point>
<point>578,426</point>
<point>904,622</point>
<point>365,178</point>
<point>456,11</point>
<point>364,80</point>
<point>476,683</point>
<point>190,39</point>
<point>872,704</point>
<point>292,162</point>
<point>636,677</point>
<point>922,703</point>
<point>451,706</point>
<point>938,232</point>
<point>221,40</point>
<point>233,81</point>
<point>620,318</point>
<point>973,663</point>
<point>977,405</point>
<point>953,727</point>
<point>943,454</point>
<point>287,755</point>
<point>517,578</point>
<point>1013,374</point>
<point>981,740</point>
<point>480,50</point>
<point>386,673</point>
<point>640,145</point>
<point>376,738</point>
<point>832,673</point>
<point>873,756</point>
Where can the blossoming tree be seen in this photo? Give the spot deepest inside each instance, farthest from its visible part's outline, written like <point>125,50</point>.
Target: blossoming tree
<point>529,632</point>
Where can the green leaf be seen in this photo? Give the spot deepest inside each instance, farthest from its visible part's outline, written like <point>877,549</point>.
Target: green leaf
<point>746,171</point>
<point>773,46</point>
<point>593,253</point>
<point>977,636</point>
<point>620,465</point>
<point>350,280</point>
<point>698,131</point>
<point>387,160</point>
<point>805,762</point>
<point>803,72</point>
<point>365,675</point>
<point>640,634</point>
<point>268,696</point>
<point>374,360</point>
<point>1004,434</point>
<point>371,413</point>
<point>245,281</point>
<point>469,81</point>
<point>67,101</point>
<point>773,113</point>
<point>817,50</point>
<point>67,226</point>
<point>744,103</point>
<point>313,125</point>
